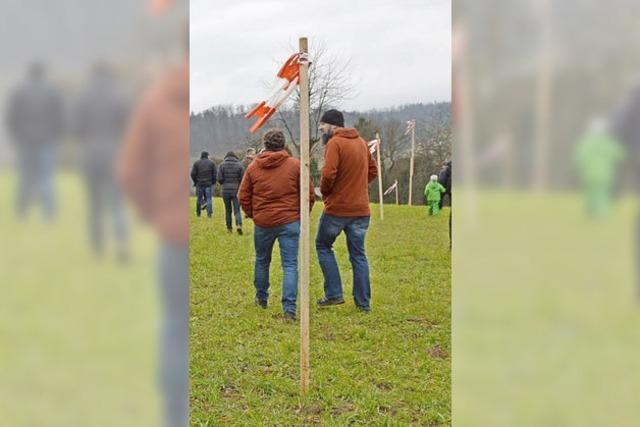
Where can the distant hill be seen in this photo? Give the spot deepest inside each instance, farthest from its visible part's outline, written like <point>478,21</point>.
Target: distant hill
<point>223,128</point>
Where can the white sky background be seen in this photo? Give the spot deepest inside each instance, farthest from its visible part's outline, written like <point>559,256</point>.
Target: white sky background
<point>400,50</point>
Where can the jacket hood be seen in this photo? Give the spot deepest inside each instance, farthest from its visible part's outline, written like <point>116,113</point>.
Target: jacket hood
<point>231,158</point>
<point>271,159</point>
<point>349,133</point>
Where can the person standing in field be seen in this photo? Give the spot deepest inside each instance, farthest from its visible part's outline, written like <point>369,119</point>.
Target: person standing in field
<point>348,169</point>
<point>229,176</point>
<point>248,157</point>
<point>203,174</point>
<point>270,195</point>
<point>433,193</point>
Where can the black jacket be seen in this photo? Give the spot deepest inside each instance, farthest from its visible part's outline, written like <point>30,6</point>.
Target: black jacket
<point>230,175</point>
<point>444,178</point>
<point>203,173</point>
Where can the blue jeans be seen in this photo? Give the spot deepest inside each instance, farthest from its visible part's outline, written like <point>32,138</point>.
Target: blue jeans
<point>36,176</point>
<point>229,201</point>
<point>356,229</point>
<point>264,238</point>
<point>203,193</point>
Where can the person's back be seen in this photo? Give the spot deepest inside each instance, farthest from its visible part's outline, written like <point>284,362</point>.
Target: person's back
<point>229,176</point>
<point>35,115</point>
<point>205,172</point>
<point>270,194</point>
<point>275,199</point>
<point>433,191</point>
<point>348,169</point>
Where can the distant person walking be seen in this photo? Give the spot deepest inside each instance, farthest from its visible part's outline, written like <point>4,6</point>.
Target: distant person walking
<point>35,123</point>
<point>433,194</point>
<point>348,169</point>
<point>203,175</point>
<point>270,195</point>
<point>230,176</point>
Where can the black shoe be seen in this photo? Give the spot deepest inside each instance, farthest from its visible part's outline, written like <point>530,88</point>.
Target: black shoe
<point>326,302</point>
<point>289,316</point>
<point>365,310</point>
<point>262,303</point>
<point>239,230</point>
<point>229,230</point>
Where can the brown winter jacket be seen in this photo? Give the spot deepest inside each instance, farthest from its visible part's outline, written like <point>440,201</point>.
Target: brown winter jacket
<point>154,159</point>
<point>270,190</point>
<point>348,169</point>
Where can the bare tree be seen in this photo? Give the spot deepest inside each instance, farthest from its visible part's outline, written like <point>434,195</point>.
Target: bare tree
<point>329,86</point>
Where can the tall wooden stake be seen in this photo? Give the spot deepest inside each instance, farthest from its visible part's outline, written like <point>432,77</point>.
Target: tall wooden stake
<point>381,197</point>
<point>304,219</point>
<point>413,144</point>
<point>397,203</point>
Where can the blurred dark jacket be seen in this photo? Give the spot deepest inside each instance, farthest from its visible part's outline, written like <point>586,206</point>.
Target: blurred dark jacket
<point>100,120</point>
<point>230,175</point>
<point>35,114</point>
<point>203,173</point>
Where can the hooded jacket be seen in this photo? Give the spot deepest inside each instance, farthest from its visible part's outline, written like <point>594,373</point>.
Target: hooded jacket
<point>348,169</point>
<point>270,190</point>
<point>230,175</point>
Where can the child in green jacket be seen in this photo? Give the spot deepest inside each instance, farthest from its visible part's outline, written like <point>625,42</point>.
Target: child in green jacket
<point>432,192</point>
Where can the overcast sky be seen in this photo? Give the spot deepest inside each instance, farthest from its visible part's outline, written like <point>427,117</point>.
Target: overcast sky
<point>400,50</point>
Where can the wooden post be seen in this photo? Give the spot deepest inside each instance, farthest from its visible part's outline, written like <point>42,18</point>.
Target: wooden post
<point>381,197</point>
<point>397,203</point>
<point>304,219</point>
<point>413,144</point>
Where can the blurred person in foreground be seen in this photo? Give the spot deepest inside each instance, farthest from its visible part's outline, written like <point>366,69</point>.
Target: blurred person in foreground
<point>100,119</point>
<point>348,169</point>
<point>152,165</point>
<point>35,124</point>
<point>229,176</point>
<point>270,195</point>
<point>203,175</point>
<point>626,127</point>
<point>598,156</point>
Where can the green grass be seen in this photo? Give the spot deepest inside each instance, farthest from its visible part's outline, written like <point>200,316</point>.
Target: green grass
<point>78,339</point>
<point>389,368</point>
<point>546,312</point>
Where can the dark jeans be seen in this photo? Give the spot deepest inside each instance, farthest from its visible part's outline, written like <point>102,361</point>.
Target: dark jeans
<point>355,229</point>
<point>229,201</point>
<point>36,175</point>
<point>264,238</point>
<point>105,200</point>
<point>204,193</point>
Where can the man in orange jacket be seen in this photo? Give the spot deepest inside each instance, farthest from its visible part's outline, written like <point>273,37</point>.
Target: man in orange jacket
<point>270,195</point>
<point>348,169</point>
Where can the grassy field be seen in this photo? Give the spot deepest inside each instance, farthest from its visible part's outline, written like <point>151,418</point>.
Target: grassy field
<point>391,367</point>
<point>78,343</point>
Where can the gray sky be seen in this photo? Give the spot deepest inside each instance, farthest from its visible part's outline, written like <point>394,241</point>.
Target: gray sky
<point>400,50</point>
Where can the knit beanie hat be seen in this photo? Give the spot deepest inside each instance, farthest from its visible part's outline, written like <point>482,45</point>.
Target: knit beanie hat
<point>333,117</point>
<point>274,140</point>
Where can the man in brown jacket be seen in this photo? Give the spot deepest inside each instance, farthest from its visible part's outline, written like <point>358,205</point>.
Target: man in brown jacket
<point>270,195</point>
<point>348,169</point>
